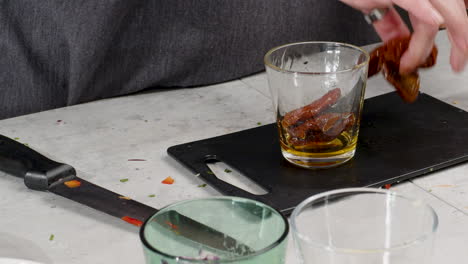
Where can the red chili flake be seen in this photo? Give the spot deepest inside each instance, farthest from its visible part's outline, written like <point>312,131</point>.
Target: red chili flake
<point>171,225</point>
<point>72,184</point>
<point>132,221</point>
<point>136,160</point>
<point>388,186</point>
<point>168,180</point>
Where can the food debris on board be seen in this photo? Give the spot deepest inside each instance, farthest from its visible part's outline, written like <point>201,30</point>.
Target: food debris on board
<point>388,186</point>
<point>124,198</point>
<point>152,195</point>
<point>136,160</point>
<point>171,225</point>
<point>123,180</point>
<point>132,221</point>
<point>202,185</point>
<point>72,184</point>
<point>51,237</point>
<point>17,138</point>
<point>168,180</point>
<point>227,171</point>
<point>444,186</point>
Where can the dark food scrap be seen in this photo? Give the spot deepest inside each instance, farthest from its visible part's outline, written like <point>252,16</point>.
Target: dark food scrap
<point>386,58</point>
<point>309,124</point>
<point>322,128</point>
<point>406,85</point>
<point>313,109</point>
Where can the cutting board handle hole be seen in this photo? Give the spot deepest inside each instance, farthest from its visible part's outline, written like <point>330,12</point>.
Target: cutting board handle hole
<point>211,159</point>
<point>227,174</point>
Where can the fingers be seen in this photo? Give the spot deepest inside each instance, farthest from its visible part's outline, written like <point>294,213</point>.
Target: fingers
<point>420,8</point>
<point>456,21</point>
<point>420,46</point>
<point>458,59</point>
<point>391,26</point>
<point>426,16</point>
<point>423,10</point>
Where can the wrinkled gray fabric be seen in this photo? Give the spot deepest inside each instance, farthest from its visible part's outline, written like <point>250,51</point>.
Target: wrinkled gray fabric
<point>55,53</point>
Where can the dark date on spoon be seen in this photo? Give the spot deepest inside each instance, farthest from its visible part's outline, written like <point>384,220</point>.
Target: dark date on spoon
<point>386,58</point>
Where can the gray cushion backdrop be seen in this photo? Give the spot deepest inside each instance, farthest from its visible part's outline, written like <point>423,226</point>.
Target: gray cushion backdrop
<point>55,53</point>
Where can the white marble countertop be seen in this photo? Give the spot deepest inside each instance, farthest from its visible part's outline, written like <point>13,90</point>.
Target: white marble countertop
<point>98,139</point>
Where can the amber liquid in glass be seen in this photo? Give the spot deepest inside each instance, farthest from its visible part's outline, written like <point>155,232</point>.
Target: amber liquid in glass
<point>344,143</point>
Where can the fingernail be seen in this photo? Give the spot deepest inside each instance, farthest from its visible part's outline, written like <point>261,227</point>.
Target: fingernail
<point>461,66</point>
<point>462,44</point>
<point>458,62</point>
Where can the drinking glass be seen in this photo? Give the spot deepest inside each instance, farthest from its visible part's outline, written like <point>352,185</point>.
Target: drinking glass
<point>317,90</point>
<point>215,230</point>
<point>363,226</point>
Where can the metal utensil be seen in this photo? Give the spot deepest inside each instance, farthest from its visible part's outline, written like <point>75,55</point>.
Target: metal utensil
<point>43,174</point>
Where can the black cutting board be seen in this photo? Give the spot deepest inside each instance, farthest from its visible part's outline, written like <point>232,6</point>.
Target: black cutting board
<point>397,141</point>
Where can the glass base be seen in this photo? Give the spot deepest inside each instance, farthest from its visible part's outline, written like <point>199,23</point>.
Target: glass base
<point>318,162</point>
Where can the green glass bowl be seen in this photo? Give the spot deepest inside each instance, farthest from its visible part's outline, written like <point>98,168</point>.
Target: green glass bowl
<point>215,230</point>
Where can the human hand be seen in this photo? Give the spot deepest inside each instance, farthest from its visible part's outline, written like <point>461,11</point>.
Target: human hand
<point>426,16</point>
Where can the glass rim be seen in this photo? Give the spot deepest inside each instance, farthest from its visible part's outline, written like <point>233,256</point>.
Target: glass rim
<point>264,250</point>
<point>267,61</point>
<point>363,190</point>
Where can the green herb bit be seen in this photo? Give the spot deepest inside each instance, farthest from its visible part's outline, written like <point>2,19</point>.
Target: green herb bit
<point>259,123</point>
<point>202,185</point>
<point>51,237</point>
<point>210,172</point>
<point>152,195</point>
<point>123,180</point>
<point>26,144</point>
<point>227,171</point>
<point>16,138</point>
